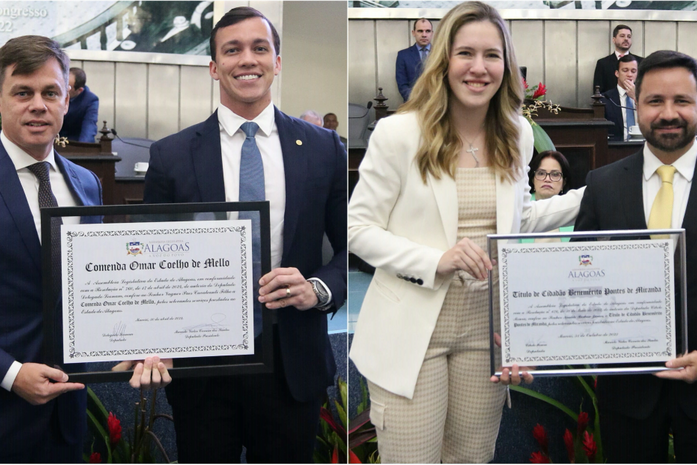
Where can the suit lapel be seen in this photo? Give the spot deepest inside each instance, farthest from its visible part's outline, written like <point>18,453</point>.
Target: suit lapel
<point>208,161</point>
<point>12,195</point>
<point>445,192</point>
<point>72,180</point>
<point>295,167</point>
<point>632,195</point>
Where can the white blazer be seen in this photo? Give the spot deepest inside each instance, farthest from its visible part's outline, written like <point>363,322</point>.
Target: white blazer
<point>402,227</point>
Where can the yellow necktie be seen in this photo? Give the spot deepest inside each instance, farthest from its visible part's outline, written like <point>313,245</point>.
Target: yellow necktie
<point>662,209</point>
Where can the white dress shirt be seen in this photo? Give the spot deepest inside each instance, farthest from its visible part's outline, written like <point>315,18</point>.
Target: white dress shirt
<point>231,139</point>
<point>682,182</point>
<point>30,185</point>
<point>269,143</point>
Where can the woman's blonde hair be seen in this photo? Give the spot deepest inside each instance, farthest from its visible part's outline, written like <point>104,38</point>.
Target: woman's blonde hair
<point>441,144</point>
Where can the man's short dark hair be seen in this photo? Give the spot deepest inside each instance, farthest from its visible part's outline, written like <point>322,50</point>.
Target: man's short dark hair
<point>422,19</point>
<point>29,53</point>
<point>625,59</point>
<point>618,28</point>
<point>80,77</point>
<point>664,59</point>
<point>237,15</point>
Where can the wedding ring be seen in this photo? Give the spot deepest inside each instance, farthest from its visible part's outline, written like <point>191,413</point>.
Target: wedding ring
<point>287,292</point>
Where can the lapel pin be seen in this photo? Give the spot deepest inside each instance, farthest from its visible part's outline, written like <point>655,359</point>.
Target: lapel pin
<point>299,142</point>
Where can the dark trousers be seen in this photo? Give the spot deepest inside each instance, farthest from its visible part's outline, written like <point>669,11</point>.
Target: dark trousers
<point>254,411</point>
<point>628,440</point>
<point>48,447</point>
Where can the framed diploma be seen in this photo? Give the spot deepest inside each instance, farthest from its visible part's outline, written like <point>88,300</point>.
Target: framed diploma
<point>605,302</point>
<point>179,281</point>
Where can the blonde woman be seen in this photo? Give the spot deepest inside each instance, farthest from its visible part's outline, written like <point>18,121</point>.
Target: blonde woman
<point>439,176</point>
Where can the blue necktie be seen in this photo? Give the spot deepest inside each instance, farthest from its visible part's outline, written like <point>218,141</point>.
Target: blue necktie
<point>630,112</point>
<point>252,189</point>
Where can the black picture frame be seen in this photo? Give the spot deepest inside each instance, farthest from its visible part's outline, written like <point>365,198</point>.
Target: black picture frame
<point>262,361</point>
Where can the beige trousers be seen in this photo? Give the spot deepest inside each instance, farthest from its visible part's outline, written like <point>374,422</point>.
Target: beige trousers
<point>455,413</point>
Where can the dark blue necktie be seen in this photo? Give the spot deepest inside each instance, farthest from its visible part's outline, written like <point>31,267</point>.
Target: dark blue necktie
<point>252,189</point>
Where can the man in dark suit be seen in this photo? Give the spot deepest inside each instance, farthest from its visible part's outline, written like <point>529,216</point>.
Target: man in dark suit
<point>621,100</point>
<point>42,416</point>
<point>274,416</point>
<point>80,123</point>
<point>637,411</point>
<point>410,60</point>
<point>605,68</point>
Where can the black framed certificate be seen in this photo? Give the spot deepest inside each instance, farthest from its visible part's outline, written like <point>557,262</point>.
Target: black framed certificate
<point>179,281</point>
<point>603,303</point>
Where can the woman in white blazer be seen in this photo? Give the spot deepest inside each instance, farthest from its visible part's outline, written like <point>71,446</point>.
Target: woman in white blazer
<point>438,176</point>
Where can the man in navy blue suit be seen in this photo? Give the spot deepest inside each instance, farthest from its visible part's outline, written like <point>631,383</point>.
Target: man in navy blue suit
<point>275,416</point>
<point>42,415</point>
<point>409,61</point>
<point>621,99</point>
<point>80,123</point>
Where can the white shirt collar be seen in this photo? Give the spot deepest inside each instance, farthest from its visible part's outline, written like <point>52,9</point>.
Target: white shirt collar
<point>685,165</point>
<point>22,159</point>
<point>621,91</point>
<point>231,122</point>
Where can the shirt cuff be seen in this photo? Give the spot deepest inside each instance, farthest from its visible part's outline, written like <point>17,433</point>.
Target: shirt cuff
<point>10,376</point>
<point>328,291</point>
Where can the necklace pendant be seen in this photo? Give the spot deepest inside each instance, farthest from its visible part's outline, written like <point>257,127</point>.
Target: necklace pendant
<point>472,150</point>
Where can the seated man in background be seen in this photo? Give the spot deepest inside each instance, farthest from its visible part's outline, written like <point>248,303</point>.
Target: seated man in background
<point>332,122</point>
<point>620,102</point>
<point>604,76</point>
<point>80,123</point>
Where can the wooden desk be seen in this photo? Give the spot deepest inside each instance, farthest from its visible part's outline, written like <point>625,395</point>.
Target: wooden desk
<point>618,150</point>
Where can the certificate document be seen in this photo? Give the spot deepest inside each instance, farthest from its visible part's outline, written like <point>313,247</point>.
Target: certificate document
<point>587,302</point>
<point>174,289</point>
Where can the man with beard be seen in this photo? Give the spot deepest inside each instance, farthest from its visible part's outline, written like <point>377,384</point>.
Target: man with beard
<point>638,411</point>
<point>605,68</point>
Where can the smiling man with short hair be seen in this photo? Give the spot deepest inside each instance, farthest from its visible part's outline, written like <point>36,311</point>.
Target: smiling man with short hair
<point>301,170</point>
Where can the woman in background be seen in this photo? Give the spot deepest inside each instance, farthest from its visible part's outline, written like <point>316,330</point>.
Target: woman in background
<point>437,177</point>
<point>549,173</point>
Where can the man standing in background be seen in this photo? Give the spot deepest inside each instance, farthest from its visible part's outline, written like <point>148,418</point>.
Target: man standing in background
<point>410,60</point>
<point>80,123</point>
<point>605,68</point>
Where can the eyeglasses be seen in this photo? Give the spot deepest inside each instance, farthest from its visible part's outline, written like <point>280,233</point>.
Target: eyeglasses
<point>555,176</point>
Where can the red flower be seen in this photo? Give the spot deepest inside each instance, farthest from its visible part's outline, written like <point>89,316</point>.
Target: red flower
<point>525,83</point>
<point>114,425</point>
<point>353,458</point>
<point>95,457</point>
<point>569,444</point>
<point>540,91</point>
<point>589,446</point>
<point>582,422</point>
<point>540,436</point>
<point>539,457</point>
<point>595,384</point>
<point>335,455</point>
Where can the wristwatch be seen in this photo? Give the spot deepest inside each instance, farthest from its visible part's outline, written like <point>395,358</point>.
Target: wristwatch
<point>320,291</point>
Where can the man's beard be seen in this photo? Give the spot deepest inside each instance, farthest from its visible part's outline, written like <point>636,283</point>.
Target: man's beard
<point>669,142</point>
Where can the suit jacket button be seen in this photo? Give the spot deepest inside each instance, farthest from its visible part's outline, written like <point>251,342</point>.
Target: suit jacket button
<point>420,282</point>
<point>413,280</point>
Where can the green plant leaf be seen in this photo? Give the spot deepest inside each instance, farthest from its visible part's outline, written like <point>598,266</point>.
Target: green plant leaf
<point>542,140</point>
<point>544,398</point>
<point>99,430</point>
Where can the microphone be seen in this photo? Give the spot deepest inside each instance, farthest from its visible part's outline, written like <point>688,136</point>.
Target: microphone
<point>625,108</point>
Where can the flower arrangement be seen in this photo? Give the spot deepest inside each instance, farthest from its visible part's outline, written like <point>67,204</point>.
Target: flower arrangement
<point>534,100</point>
<point>581,448</point>
<point>114,447</point>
